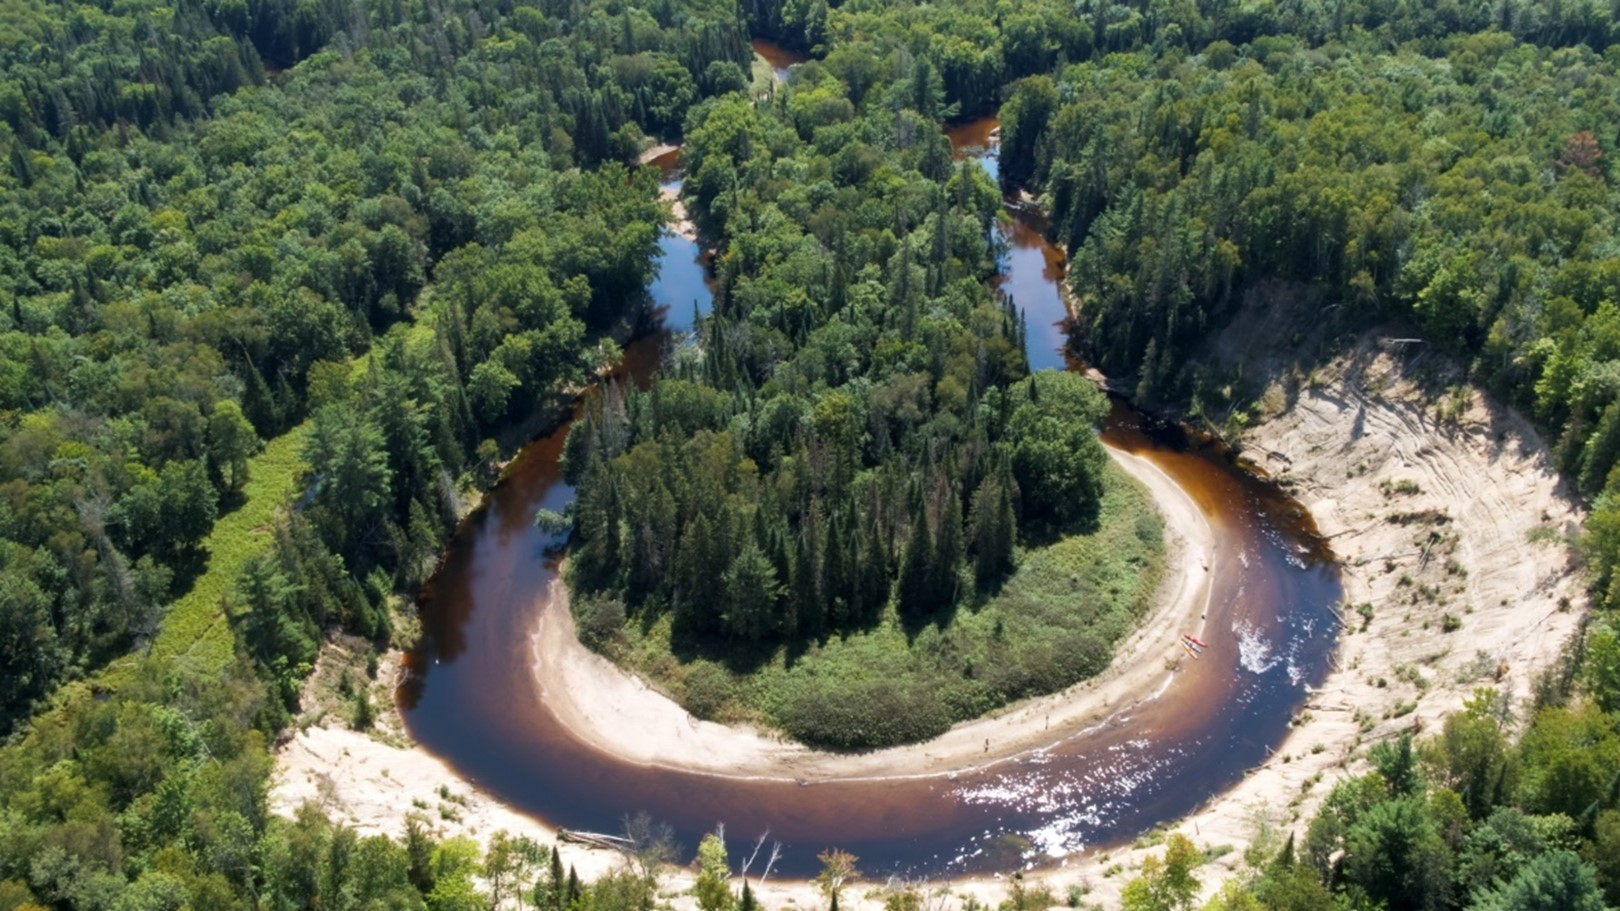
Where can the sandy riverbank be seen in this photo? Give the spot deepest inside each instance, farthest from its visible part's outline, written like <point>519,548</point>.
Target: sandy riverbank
<point>679,222</point>
<point>373,781</point>
<point>1346,437</point>
<point>670,192</point>
<point>654,152</point>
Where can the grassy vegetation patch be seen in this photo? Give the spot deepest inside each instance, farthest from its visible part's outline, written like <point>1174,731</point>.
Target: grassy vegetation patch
<point>762,76</point>
<point>1053,623</point>
<point>195,626</point>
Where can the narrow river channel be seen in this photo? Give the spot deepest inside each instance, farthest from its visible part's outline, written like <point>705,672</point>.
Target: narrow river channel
<point>471,698</point>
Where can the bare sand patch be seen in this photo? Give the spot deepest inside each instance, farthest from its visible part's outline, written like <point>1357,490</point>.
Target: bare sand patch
<point>654,152</point>
<point>679,222</point>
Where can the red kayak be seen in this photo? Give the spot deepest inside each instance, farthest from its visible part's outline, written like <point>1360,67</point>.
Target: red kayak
<point>1193,640</point>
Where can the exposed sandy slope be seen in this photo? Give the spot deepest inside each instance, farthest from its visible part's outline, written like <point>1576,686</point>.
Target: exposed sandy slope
<point>654,152</point>
<point>1363,421</point>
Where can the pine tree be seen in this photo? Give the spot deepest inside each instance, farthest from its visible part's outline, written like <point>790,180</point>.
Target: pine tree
<point>993,528</point>
<point>699,562</point>
<point>610,527</point>
<point>878,575</point>
<point>419,847</point>
<point>949,549</point>
<point>835,576</point>
<point>1007,521</point>
<point>549,890</point>
<point>917,568</point>
<point>808,583</point>
<point>1285,857</point>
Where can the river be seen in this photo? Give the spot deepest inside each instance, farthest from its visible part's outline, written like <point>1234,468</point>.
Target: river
<point>781,60</point>
<point>471,698</point>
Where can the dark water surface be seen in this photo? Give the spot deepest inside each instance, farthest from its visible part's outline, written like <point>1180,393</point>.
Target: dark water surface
<point>471,696</point>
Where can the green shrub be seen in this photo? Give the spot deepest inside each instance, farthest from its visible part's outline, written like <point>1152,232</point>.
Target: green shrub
<point>365,714</point>
<point>865,714</point>
<point>706,690</point>
<point>600,621</point>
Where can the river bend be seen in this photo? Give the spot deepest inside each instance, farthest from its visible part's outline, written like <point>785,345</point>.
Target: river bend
<point>471,699</point>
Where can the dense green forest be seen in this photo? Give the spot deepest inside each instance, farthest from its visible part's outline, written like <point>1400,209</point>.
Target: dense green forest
<point>856,447</point>
<point>1463,819</point>
<point>179,289</point>
<point>1455,182</point>
<point>371,265</point>
<point>354,243</point>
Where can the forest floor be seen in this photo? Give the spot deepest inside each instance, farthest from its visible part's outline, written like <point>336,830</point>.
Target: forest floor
<point>1437,502</point>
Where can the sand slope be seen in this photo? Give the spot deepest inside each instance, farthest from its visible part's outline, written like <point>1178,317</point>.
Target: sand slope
<point>1503,567</point>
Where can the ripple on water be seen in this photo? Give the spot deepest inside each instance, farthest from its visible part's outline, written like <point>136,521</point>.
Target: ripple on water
<point>1254,650</point>
<point>1075,804</point>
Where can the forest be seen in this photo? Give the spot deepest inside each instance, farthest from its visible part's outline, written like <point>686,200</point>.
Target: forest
<point>279,283</point>
<point>855,451</point>
<point>180,290</point>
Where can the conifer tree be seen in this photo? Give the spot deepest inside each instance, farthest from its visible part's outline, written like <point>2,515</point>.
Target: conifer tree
<point>948,550</point>
<point>917,567</point>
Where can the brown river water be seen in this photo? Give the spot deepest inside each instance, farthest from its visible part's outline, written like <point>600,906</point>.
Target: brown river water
<point>471,698</point>
<point>780,58</point>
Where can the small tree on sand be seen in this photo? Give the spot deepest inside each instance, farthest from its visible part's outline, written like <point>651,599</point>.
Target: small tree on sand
<point>712,889</point>
<point>837,870</point>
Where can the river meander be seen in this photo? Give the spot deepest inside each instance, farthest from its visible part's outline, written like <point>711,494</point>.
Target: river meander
<point>471,697</point>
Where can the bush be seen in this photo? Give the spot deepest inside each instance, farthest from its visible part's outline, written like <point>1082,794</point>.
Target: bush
<point>1046,666</point>
<point>865,714</point>
<point>365,714</point>
<point>1150,528</point>
<point>706,690</point>
<point>599,621</point>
